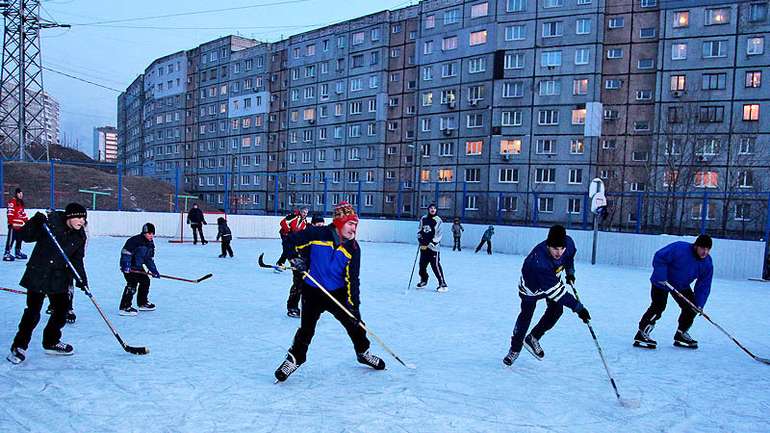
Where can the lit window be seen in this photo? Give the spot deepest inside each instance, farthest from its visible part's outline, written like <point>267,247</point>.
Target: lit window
<point>751,112</point>
<point>479,10</point>
<point>473,147</point>
<point>681,19</point>
<point>755,46</point>
<point>511,146</point>
<point>717,16</point>
<point>478,38</point>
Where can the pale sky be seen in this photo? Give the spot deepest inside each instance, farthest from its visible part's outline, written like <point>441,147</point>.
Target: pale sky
<point>108,45</point>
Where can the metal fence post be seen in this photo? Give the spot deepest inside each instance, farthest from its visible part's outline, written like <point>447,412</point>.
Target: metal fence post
<point>465,197</point>
<point>358,211</point>
<point>704,212</point>
<point>639,201</point>
<point>586,209</point>
<point>399,199</point>
<point>275,196</point>
<point>227,193</point>
<point>119,168</point>
<point>534,209</point>
<point>176,191</point>
<point>52,181</point>
<point>435,195</point>
<point>499,208</point>
<point>326,194</point>
<point>2,182</point>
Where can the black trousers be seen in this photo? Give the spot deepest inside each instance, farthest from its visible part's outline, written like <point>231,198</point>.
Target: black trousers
<point>428,256</point>
<point>282,259</point>
<point>13,237</point>
<point>553,312</point>
<point>314,302</point>
<point>135,281</point>
<point>658,305</point>
<point>295,292</point>
<point>489,246</point>
<point>226,246</point>
<point>197,228</point>
<point>456,245</point>
<point>31,316</point>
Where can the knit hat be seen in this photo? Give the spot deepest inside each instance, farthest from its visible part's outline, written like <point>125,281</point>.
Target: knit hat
<point>343,213</point>
<point>74,210</point>
<point>557,237</point>
<point>148,228</point>
<point>317,219</point>
<point>703,241</point>
<point>221,220</point>
<point>18,190</point>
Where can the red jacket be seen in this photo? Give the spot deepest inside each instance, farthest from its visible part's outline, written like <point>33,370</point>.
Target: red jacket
<point>292,223</point>
<point>16,215</point>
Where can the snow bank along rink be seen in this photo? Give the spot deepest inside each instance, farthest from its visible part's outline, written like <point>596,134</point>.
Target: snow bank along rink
<point>214,347</point>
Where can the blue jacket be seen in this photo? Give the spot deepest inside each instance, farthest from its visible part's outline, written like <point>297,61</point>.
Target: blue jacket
<point>540,275</point>
<point>333,261</point>
<point>678,264</point>
<point>136,252</point>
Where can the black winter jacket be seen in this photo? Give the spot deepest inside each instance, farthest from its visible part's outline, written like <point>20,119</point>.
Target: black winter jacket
<point>195,216</point>
<point>47,271</point>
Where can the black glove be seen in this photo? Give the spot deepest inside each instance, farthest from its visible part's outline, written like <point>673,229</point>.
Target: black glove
<point>155,274</point>
<point>81,284</point>
<point>583,314</point>
<point>39,219</point>
<point>299,264</point>
<point>570,279</point>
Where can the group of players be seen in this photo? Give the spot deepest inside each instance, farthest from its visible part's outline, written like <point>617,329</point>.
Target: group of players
<point>325,261</point>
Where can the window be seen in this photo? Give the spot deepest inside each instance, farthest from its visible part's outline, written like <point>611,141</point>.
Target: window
<point>549,88</point>
<point>713,49</point>
<point>707,147</point>
<point>753,79</point>
<point>706,179</point>
<point>478,38</point>
<point>516,33</point>
<point>545,147</point>
<point>615,53</point>
<point>470,203</point>
<point>358,38</point>
<point>673,146</point>
<point>648,3</point>
<point>550,59</point>
<point>577,146</point>
<point>679,51</point>
<point>445,149</point>
<point>446,175</point>
<point>427,47</point>
<point>508,175</point>
<point>449,43</point>
<point>755,46</point>
<point>473,147</point>
<point>746,145</point>
<point>548,117</point>
<point>745,179</point>
<point>742,212</point>
<point>479,10</point>
<point>477,65</point>
<point>750,112</point>
<point>609,115</point>
<point>545,204</point>
<point>583,26</point>
<point>451,16</point>
<point>717,16</point>
<point>641,125</point>
<point>545,175</point>
<point>579,116</point>
<point>646,64</point>
<point>580,86</point>
<point>647,33</point>
<point>643,95</point>
<point>514,61</point>
<point>552,29</point>
<point>678,83</point>
<point>514,5</point>
<point>681,19</point>
<point>473,175</point>
<point>553,3</point>
<point>613,84</point>
<point>573,205</point>
<point>510,118</point>
<point>510,146</point>
<point>513,89</point>
<point>582,56</point>
<point>448,70</point>
<point>675,114</point>
<point>758,12</point>
<point>616,22</point>
<point>430,21</point>
<point>714,81</point>
<point>639,155</point>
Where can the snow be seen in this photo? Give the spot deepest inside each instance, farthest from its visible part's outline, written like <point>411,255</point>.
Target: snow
<point>214,347</point>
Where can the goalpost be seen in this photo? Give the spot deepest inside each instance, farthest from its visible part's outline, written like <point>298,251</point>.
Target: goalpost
<point>184,230</point>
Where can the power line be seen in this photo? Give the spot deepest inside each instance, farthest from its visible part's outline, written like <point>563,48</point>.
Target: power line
<point>81,79</point>
<point>193,13</point>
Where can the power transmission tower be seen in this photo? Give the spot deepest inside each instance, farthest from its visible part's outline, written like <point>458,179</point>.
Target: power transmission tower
<point>22,101</point>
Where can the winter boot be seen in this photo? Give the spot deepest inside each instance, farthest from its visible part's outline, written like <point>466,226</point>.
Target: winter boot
<point>533,346</point>
<point>293,312</point>
<point>643,339</point>
<point>422,284</point>
<point>128,311</point>
<point>20,256</point>
<point>510,357</point>
<point>373,361</point>
<point>7,257</point>
<point>59,349</point>
<point>442,288</point>
<point>221,256</point>
<point>683,339</point>
<point>71,317</point>
<point>17,355</point>
<point>287,367</point>
<point>147,306</point>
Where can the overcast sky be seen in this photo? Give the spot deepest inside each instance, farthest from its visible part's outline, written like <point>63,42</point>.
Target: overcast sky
<point>110,43</point>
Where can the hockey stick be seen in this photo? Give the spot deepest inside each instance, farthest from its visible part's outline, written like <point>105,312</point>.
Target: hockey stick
<point>18,292</point>
<point>171,277</point>
<point>705,316</point>
<point>621,400</point>
<point>414,265</point>
<point>130,349</point>
<point>262,264</point>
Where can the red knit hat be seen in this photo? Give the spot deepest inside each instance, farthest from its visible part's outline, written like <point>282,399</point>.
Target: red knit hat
<point>343,213</point>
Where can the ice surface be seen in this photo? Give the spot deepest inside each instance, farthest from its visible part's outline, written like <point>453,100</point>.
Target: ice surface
<point>214,347</point>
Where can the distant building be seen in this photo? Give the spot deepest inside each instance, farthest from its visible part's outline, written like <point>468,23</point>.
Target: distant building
<point>106,144</point>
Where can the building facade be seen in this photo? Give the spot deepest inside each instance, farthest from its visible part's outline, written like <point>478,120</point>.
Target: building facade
<point>495,110</point>
<point>105,144</point>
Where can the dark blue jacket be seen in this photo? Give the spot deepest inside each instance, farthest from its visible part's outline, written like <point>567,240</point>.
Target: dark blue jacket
<point>136,252</point>
<point>678,264</point>
<point>333,261</point>
<point>540,275</point>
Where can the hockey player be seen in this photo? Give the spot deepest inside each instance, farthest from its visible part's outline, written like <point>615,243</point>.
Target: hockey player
<point>295,292</point>
<point>292,223</point>
<point>457,232</point>
<point>541,278</point>
<point>137,252</point>
<point>196,220</point>
<point>17,217</point>
<point>223,232</point>
<point>429,238</point>
<point>49,275</point>
<point>486,238</point>
<point>679,264</point>
<point>332,256</point>
<point>317,221</point>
